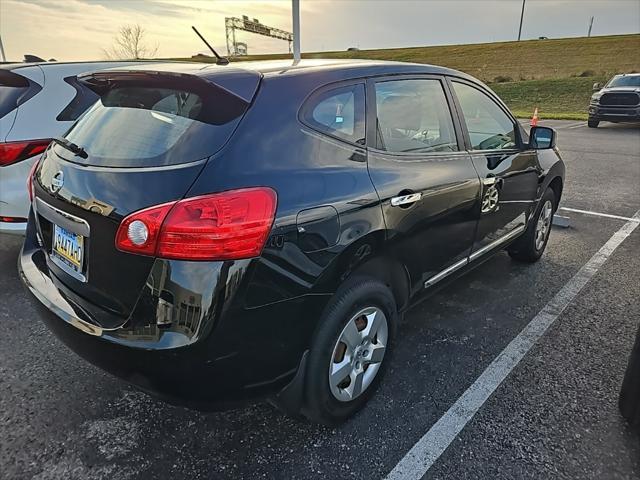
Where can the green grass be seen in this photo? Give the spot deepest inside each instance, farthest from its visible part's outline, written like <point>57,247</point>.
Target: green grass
<point>565,98</point>
<point>555,75</point>
<point>526,60</point>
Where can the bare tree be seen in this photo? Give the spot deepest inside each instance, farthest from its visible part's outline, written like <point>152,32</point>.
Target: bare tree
<point>130,44</point>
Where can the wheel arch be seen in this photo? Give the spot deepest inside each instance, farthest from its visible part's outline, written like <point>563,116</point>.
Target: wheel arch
<point>556,185</point>
<point>389,270</point>
<point>369,257</point>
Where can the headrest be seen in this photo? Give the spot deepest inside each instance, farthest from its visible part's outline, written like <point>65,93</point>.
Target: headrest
<point>401,112</point>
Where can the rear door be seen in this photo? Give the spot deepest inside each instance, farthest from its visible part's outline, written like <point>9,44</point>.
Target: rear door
<point>509,171</point>
<point>423,176</point>
<point>143,144</point>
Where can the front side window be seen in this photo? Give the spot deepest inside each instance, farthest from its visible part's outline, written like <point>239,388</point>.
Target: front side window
<point>414,116</point>
<point>339,112</point>
<point>489,127</point>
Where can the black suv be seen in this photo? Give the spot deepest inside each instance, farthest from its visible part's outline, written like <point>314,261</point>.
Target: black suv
<point>617,101</point>
<point>218,233</point>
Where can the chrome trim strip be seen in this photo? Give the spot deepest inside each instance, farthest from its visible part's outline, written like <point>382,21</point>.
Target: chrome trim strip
<point>505,238</point>
<point>478,253</point>
<point>63,219</point>
<point>98,168</point>
<point>446,272</point>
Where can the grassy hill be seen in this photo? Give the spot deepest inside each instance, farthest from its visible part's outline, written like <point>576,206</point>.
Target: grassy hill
<point>556,75</point>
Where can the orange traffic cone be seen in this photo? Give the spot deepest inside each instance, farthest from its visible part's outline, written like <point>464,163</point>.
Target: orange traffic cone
<point>534,119</point>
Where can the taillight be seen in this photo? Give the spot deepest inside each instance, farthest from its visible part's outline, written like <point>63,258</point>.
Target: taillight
<point>221,226</point>
<point>32,172</point>
<point>14,152</point>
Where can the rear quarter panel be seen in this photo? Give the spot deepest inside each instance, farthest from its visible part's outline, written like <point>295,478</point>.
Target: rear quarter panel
<point>307,170</point>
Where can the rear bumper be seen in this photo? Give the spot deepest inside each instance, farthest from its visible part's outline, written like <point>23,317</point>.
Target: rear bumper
<point>11,228</point>
<point>614,114</point>
<point>14,198</point>
<point>237,354</point>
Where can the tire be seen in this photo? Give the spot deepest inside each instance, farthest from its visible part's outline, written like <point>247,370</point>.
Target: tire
<point>593,123</point>
<point>629,400</point>
<point>530,246</point>
<point>361,304</point>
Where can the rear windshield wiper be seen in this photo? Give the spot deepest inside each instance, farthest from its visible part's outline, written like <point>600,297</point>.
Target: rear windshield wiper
<point>72,147</point>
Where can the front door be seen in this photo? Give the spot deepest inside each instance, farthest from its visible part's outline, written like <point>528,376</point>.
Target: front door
<point>424,178</point>
<point>508,171</point>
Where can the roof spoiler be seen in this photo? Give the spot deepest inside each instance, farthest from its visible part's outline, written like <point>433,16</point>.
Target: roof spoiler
<point>217,101</point>
<point>105,80</point>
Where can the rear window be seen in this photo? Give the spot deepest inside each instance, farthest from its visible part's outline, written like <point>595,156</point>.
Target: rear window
<point>139,126</point>
<point>15,90</point>
<point>339,112</point>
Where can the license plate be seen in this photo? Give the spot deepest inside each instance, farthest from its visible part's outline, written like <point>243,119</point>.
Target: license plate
<point>68,247</point>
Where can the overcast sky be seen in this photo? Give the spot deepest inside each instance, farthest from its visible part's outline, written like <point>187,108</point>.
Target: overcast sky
<point>80,29</point>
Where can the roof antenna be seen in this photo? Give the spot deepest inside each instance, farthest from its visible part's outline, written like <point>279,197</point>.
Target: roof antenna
<point>221,60</point>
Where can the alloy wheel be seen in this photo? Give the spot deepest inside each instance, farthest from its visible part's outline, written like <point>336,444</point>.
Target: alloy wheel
<point>358,354</point>
<point>543,227</point>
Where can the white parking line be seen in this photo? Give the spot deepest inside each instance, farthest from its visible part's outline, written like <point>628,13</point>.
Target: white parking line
<point>525,123</point>
<point>573,125</point>
<point>598,214</point>
<point>428,449</point>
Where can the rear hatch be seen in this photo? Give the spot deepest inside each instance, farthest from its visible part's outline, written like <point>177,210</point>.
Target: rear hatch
<point>143,144</point>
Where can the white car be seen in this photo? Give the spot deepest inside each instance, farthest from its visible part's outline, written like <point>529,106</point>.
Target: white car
<point>38,101</point>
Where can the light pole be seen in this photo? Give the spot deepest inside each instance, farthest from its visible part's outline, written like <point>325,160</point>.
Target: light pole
<point>521,18</point>
<point>295,12</point>
<point>2,56</point>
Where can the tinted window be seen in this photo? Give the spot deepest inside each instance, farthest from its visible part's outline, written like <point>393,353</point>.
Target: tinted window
<point>414,116</point>
<point>339,112</point>
<point>140,126</point>
<point>15,90</point>
<point>489,127</point>
<point>84,99</point>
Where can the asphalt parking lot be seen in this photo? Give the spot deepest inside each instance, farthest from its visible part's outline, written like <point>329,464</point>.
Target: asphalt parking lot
<point>554,416</point>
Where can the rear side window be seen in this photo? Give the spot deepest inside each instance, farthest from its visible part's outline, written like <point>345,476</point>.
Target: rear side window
<point>490,128</point>
<point>84,99</point>
<point>414,116</point>
<point>140,126</point>
<point>15,90</point>
<point>338,112</point>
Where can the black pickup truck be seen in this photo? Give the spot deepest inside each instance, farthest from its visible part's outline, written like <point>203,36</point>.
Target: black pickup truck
<point>617,101</point>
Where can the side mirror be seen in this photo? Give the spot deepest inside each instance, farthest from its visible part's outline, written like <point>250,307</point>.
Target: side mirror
<point>596,87</point>
<point>542,138</point>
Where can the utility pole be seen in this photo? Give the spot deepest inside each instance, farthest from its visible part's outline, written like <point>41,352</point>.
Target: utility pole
<point>295,12</point>
<point>590,27</point>
<point>521,18</point>
<point>2,57</point>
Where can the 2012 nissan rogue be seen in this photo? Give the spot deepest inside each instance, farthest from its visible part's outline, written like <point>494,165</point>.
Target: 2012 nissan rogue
<point>217,233</point>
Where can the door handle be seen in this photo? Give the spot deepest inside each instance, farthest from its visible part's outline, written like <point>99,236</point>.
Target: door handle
<point>403,200</point>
